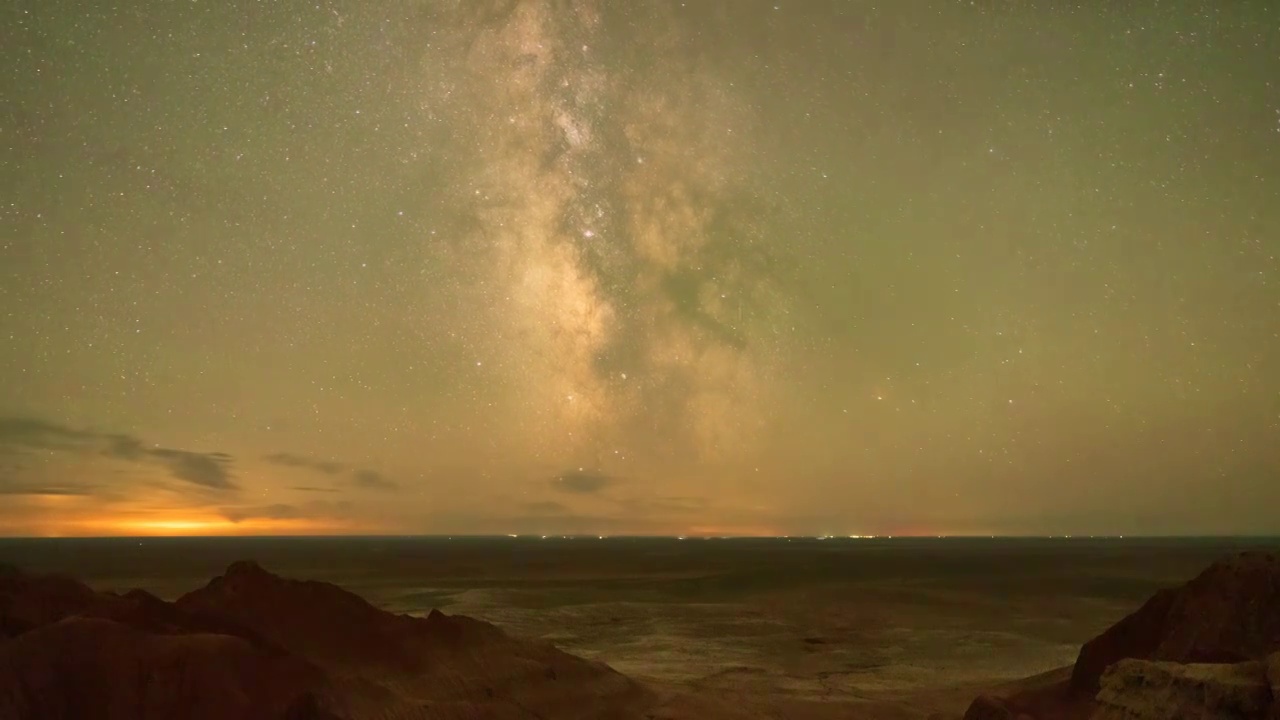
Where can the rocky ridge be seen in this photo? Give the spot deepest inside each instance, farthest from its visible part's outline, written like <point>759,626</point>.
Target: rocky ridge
<point>1194,691</point>
<point>254,646</point>
<point>1207,649</point>
<point>1229,613</point>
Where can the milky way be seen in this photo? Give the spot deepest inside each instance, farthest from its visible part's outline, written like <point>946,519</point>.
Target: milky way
<point>617,289</point>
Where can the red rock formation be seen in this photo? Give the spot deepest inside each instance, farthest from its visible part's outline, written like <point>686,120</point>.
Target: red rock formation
<point>317,620</point>
<point>1229,613</point>
<point>1158,690</point>
<point>81,667</point>
<point>254,646</point>
<point>989,707</point>
<point>31,601</point>
<point>1035,700</point>
<point>435,661</point>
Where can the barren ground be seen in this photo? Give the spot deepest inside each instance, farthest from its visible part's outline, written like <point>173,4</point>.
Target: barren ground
<point>922,624</point>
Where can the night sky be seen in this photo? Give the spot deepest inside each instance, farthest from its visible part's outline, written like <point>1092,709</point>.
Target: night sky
<point>576,266</point>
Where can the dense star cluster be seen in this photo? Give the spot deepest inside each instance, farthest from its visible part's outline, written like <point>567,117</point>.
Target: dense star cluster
<point>573,266</point>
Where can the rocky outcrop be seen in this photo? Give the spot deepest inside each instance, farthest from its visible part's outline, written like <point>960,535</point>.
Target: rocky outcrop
<point>433,661</point>
<point>31,601</point>
<point>317,620</point>
<point>1051,701</point>
<point>254,646</point>
<point>81,667</point>
<point>1225,621</point>
<point>989,707</point>
<point>1229,613</point>
<point>1155,690</point>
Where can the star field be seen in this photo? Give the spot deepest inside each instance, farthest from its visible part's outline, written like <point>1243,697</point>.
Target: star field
<point>568,266</point>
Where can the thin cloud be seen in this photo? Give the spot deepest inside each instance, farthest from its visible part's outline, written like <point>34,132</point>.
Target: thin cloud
<point>372,480</point>
<point>319,509</point>
<point>278,511</point>
<point>366,478</point>
<point>328,467</point>
<point>210,470</point>
<point>36,433</point>
<point>16,488</point>
<point>207,470</point>
<point>124,447</point>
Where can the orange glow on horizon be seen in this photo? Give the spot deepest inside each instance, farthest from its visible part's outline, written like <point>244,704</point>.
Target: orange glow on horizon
<point>176,524</point>
<point>211,525</point>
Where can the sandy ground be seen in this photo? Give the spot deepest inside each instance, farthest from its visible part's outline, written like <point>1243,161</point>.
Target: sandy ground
<point>813,644</point>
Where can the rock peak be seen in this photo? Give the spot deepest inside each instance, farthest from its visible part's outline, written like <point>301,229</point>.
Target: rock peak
<point>253,645</point>
<point>246,568</point>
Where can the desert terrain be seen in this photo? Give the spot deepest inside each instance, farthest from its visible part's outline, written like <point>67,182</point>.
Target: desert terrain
<point>875,628</point>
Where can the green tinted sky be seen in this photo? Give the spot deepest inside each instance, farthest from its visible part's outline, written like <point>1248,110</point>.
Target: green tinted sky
<point>576,266</point>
